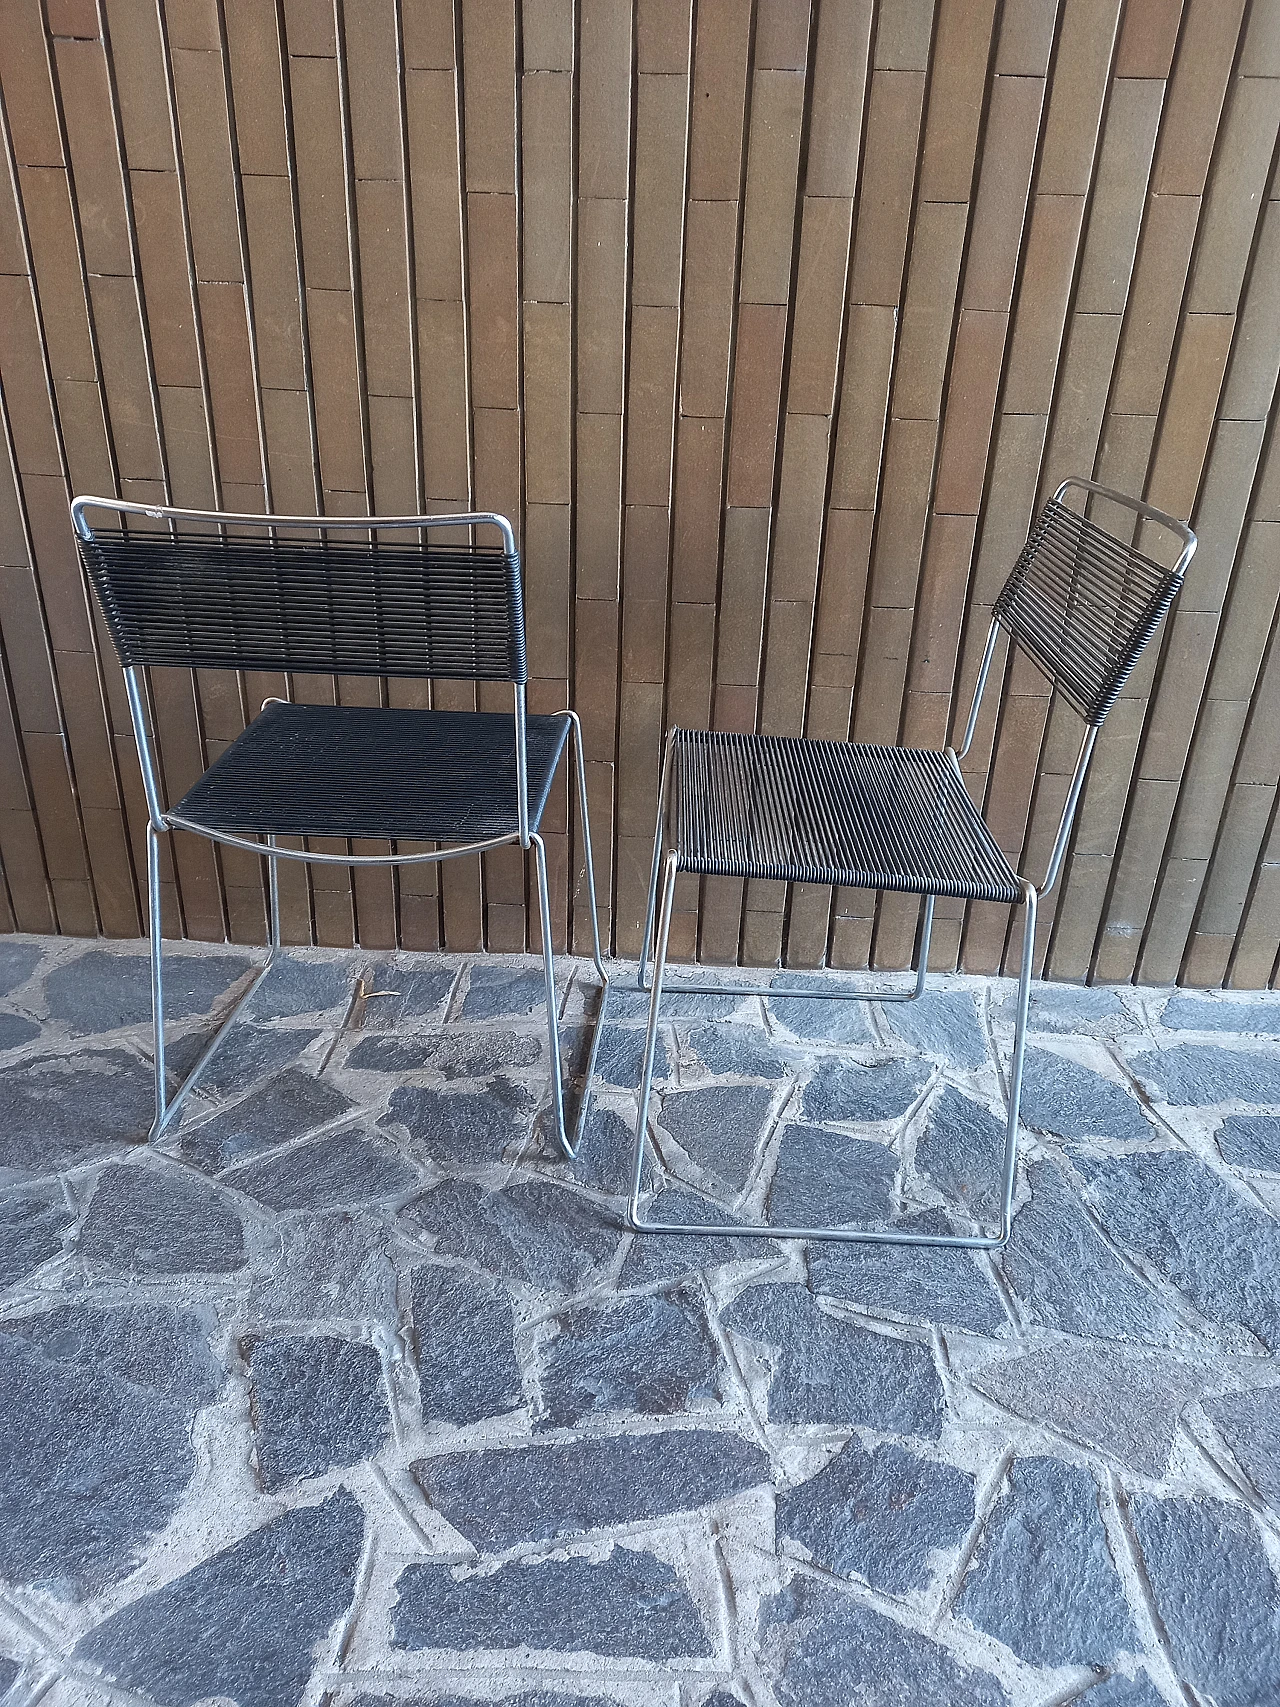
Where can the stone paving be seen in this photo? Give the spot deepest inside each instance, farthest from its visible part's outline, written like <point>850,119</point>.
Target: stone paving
<point>348,1393</point>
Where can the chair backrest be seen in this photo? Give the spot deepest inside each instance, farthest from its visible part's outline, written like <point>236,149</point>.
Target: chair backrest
<point>190,595</point>
<point>1083,604</point>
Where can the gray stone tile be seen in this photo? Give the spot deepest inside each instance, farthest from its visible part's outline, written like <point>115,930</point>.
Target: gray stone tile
<point>819,1021</point>
<point>629,1606</point>
<point>463,1128</point>
<point>607,1153</point>
<point>1067,1008</point>
<point>746,1050</point>
<point>260,1611</point>
<point>1042,1580</point>
<point>330,1267</point>
<point>55,1111</point>
<point>1216,1595</point>
<point>880,1515</point>
<point>101,991</point>
<point>1197,1075</point>
<point>848,1091</point>
<point>419,991</point>
<point>295,986</point>
<point>1121,1691</point>
<point>1068,1278</point>
<point>32,1226</point>
<point>1217,1247</point>
<point>317,1404</point>
<point>670,1256</point>
<point>1061,1097</point>
<point>463,1326</point>
<point>159,1348</point>
<point>526,1698</point>
<point>287,1106</point>
<point>827,1179</point>
<point>961,1152</point>
<point>8,1671</point>
<point>95,1467</point>
<point>497,990</point>
<point>15,1031</point>
<point>620,1058</point>
<point>148,1220</point>
<point>626,1002</point>
<point>826,1649</point>
<point>455,1054</point>
<point>344,1168</point>
<point>650,1354</point>
<point>533,1232</point>
<point>18,960</point>
<point>1258,1015</point>
<point>1251,1141</point>
<point>248,1052</point>
<point>825,1370</point>
<point>497,1499</point>
<point>944,1023</point>
<point>1124,1405</point>
<point>1250,1424</point>
<point>924,1283</point>
<point>719,1127</point>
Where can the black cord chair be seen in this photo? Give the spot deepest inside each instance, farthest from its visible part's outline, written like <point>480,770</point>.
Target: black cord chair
<point>1082,605</point>
<point>197,596</point>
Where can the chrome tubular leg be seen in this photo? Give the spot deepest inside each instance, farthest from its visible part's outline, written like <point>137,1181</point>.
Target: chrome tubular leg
<point>273,899</point>
<point>1009,1175</point>
<point>553,1020</point>
<point>651,1041</point>
<point>584,1101</point>
<point>157,979</point>
<point>646,935</point>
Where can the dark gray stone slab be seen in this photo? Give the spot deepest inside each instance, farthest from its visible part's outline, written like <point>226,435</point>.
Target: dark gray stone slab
<point>287,1106</point>
<point>533,1232</point>
<point>826,1649</point>
<point>819,1021</point>
<point>1216,1595</point>
<point>101,991</point>
<point>825,1370</point>
<point>331,1267</point>
<point>417,992</point>
<point>631,1605</point>
<point>457,1055</point>
<point>32,1225</point>
<point>650,1354</point>
<point>295,986</point>
<point>827,1179</point>
<point>1251,1141</point>
<point>463,1326</point>
<point>497,991</point>
<point>526,1698</point>
<point>742,1049</point>
<point>961,1152</point>
<point>669,1256</point>
<point>248,1052</point>
<point>157,1347</point>
<point>1068,1278</point>
<point>15,1031</point>
<point>1250,1424</point>
<point>879,1515</point>
<point>626,1002</point>
<point>1120,1691</point>
<point>147,1220</point>
<point>244,1626</point>
<point>847,1091</point>
<point>944,1023</point>
<point>317,1404</point>
<point>1122,1404</point>
<point>607,1155</point>
<point>1258,1015</point>
<point>95,1467</point>
<point>1200,1074</point>
<point>345,1167</point>
<point>719,1127</point>
<point>8,1671</point>
<point>55,1111</point>
<point>927,1283</point>
<point>620,1058</point>
<point>1216,1246</point>
<point>1066,1008</point>
<point>463,1128</point>
<point>539,1493</point>
<point>1042,1580</point>
<point>18,960</point>
<point>1061,1097</point>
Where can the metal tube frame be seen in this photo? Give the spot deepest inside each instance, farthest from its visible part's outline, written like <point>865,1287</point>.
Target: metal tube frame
<point>658,926</point>
<point>160,821</point>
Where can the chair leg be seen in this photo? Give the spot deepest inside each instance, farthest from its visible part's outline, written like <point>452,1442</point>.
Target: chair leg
<point>845,1235</point>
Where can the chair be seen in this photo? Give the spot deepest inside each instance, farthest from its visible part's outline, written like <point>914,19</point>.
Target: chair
<point>198,596</point>
<point>1082,604</point>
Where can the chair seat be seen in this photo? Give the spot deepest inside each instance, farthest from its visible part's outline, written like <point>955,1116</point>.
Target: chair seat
<point>384,774</point>
<point>802,811</point>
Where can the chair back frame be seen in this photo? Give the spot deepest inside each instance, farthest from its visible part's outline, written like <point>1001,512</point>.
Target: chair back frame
<point>1079,772</point>
<point>135,685</point>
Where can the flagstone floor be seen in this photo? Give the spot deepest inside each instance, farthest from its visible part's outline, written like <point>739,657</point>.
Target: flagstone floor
<point>348,1393</point>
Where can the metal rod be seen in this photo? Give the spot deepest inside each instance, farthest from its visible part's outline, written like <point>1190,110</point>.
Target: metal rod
<point>651,1041</point>
<point>157,979</point>
<point>142,737</point>
<point>1069,810</point>
<point>522,765</point>
<point>308,857</point>
<point>979,687</point>
<point>663,784</point>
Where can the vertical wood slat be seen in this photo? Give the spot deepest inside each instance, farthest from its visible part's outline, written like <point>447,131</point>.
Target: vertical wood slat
<point>770,324</point>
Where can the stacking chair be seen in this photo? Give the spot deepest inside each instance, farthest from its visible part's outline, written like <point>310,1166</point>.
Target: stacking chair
<point>195,595</point>
<point>1081,604</point>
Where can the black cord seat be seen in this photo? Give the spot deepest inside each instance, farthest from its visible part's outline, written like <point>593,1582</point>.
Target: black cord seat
<point>385,774</point>
<point>802,811</point>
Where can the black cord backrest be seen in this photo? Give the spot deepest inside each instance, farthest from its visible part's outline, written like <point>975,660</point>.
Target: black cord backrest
<point>1083,605</point>
<point>325,605</point>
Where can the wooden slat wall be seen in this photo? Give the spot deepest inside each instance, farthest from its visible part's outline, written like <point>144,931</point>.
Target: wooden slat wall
<point>771,324</point>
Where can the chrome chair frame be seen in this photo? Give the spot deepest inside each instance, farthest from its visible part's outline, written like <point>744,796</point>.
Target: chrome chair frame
<point>658,923</point>
<point>160,821</point>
